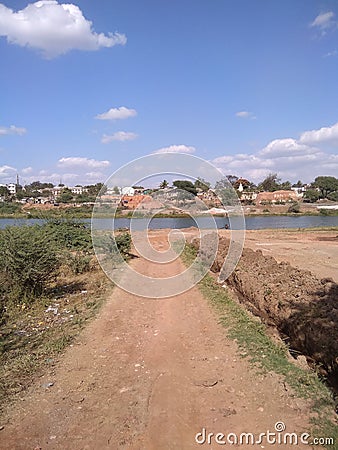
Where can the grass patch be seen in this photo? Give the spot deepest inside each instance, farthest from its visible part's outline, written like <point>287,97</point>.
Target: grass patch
<point>266,355</point>
<point>34,335</point>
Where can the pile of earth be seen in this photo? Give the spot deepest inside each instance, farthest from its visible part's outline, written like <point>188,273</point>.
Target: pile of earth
<point>303,308</point>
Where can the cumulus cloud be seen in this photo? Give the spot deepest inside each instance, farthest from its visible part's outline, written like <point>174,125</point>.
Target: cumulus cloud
<point>53,28</point>
<point>322,135</point>
<point>117,113</point>
<point>27,170</point>
<point>7,174</point>
<point>293,159</point>
<point>324,20</point>
<point>176,149</point>
<point>81,162</point>
<point>245,115</point>
<point>118,136</point>
<point>286,147</point>
<point>12,130</point>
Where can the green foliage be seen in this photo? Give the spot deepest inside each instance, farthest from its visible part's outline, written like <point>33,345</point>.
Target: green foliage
<point>70,234</point>
<point>185,185</point>
<point>28,261</point>
<point>95,189</point>
<point>123,242</point>
<point>164,184</point>
<point>65,196</point>
<point>4,192</point>
<point>294,208</point>
<point>200,183</point>
<point>326,185</point>
<point>79,263</point>
<point>311,196</point>
<point>333,196</point>
<point>9,208</point>
<point>270,184</point>
<point>108,244</point>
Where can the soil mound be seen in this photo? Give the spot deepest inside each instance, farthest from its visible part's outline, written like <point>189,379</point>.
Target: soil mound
<point>303,308</point>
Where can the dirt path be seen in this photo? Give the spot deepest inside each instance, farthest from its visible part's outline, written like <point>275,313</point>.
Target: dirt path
<point>149,375</point>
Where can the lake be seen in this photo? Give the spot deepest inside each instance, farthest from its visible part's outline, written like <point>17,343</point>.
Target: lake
<point>252,223</point>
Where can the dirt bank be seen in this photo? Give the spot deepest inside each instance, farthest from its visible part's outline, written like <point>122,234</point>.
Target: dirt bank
<point>302,307</point>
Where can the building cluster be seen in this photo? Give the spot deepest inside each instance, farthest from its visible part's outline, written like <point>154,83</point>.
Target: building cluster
<point>132,197</point>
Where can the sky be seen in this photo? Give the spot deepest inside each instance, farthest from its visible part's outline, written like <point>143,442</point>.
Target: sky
<point>87,87</point>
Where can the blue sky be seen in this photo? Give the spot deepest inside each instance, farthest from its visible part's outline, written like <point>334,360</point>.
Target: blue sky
<point>250,85</point>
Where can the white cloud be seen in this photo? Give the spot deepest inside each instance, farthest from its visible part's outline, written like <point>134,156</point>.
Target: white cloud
<point>324,20</point>
<point>245,115</point>
<point>117,113</point>
<point>12,130</point>
<point>176,149</point>
<point>118,136</point>
<point>286,147</point>
<point>320,136</point>
<point>7,174</point>
<point>292,159</point>
<point>80,162</point>
<point>53,28</point>
<point>27,170</point>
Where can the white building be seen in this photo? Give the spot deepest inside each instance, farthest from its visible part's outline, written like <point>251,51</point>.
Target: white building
<point>12,188</point>
<point>78,190</point>
<point>128,190</point>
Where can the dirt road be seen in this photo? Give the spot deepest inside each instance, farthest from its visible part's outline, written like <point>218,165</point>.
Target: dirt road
<point>149,375</point>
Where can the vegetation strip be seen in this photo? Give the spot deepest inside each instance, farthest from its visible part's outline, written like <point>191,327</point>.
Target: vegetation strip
<point>265,355</point>
<point>50,286</point>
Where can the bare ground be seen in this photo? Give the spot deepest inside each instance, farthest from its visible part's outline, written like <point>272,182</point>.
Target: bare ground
<point>316,251</point>
<point>148,375</point>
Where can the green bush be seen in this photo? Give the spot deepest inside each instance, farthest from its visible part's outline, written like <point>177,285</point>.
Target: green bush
<point>333,196</point>
<point>70,234</point>
<point>106,244</point>
<point>294,208</point>
<point>79,263</point>
<point>28,261</point>
<point>9,208</point>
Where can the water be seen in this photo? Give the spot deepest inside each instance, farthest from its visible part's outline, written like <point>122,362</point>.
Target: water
<point>252,223</point>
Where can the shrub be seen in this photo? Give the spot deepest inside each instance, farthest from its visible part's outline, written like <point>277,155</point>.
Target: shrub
<point>9,208</point>
<point>70,234</point>
<point>294,208</point>
<point>79,263</point>
<point>28,261</point>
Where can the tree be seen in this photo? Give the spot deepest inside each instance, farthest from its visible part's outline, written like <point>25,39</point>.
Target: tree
<point>201,184</point>
<point>270,184</point>
<point>326,185</point>
<point>4,192</point>
<point>311,196</point>
<point>333,196</point>
<point>116,190</point>
<point>65,196</point>
<point>232,179</point>
<point>164,184</point>
<point>286,186</point>
<point>186,186</point>
<point>95,189</point>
